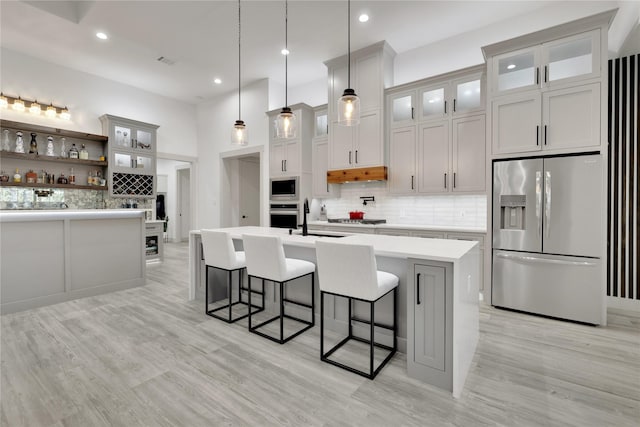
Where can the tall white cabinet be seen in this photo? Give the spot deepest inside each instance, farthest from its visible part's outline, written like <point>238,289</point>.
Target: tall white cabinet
<point>547,89</point>
<point>437,134</point>
<point>371,71</point>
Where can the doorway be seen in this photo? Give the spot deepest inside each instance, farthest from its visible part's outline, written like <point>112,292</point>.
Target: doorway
<point>183,187</point>
<point>241,188</point>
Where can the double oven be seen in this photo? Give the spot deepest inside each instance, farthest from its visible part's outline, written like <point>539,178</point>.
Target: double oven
<point>284,197</point>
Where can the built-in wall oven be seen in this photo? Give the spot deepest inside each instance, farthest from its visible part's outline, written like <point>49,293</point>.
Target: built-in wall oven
<point>284,189</point>
<point>284,215</point>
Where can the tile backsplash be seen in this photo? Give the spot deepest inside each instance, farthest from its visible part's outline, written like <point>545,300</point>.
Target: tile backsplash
<point>447,210</point>
<point>56,198</point>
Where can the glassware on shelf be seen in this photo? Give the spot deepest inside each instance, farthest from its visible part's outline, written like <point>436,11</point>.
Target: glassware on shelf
<point>50,146</point>
<point>84,154</point>
<point>125,140</point>
<point>33,145</point>
<point>5,140</point>
<point>63,148</point>
<point>119,139</point>
<point>72,177</point>
<point>19,142</point>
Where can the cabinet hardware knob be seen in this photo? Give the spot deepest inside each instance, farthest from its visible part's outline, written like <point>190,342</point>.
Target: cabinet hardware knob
<point>412,178</point>
<point>454,180</point>
<point>349,157</point>
<point>412,113</point>
<point>545,74</point>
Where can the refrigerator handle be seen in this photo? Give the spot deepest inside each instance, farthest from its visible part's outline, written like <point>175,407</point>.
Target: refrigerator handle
<point>533,259</point>
<point>547,203</point>
<point>539,202</point>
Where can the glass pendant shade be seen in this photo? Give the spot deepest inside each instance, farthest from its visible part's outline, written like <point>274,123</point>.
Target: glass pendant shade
<point>349,108</point>
<point>286,124</point>
<point>239,133</point>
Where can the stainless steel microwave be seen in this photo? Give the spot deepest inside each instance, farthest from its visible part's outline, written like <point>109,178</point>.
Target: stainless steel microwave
<point>284,188</point>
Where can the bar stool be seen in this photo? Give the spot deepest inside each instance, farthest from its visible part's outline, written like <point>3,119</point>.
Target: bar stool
<point>350,271</point>
<point>219,253</point>
<point>266,261</point>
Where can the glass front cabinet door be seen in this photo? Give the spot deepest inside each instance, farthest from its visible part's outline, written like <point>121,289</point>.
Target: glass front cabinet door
<point>571,58</point>
<point>402,107</point>
<point>433,102</point>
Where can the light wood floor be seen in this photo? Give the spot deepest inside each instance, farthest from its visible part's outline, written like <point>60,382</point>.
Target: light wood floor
<point>148,357</point>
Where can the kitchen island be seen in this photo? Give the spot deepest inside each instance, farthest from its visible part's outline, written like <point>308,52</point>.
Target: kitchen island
<point>437,326</point>
<point>47,257</point>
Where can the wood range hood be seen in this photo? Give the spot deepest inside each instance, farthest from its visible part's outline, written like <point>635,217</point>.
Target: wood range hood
<point>341,176</point>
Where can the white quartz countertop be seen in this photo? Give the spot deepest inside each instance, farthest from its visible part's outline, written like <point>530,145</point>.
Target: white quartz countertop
<point>389,246</point>
<point>404,227</point>
<point>62,214</point>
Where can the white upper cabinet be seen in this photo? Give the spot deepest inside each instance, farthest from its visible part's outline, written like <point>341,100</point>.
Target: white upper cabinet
<point>547,89</point>
<point>321,123</point>
<point>291,156</point>
<point>371,71</point>
<point>402,108</point>
<point>437,135</point>
<point>548,64</point>
<point>402,160</point>
<point>571,58</point>
<point>433,101</point>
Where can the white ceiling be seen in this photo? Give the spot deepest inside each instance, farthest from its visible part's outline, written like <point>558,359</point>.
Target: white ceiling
<point>201,36</point>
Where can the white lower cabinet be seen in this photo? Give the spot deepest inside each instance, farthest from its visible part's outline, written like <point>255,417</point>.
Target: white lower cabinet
<point>427,234</point>
<point>430,322</point>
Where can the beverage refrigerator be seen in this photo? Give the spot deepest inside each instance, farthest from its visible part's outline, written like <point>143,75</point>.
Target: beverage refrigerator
<point>548,237</point>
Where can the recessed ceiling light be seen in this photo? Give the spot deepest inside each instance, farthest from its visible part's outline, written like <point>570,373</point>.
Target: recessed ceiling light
<point>217,81</point>
<point>285,51</point>
<point>101,36</point>
<point>511,66</point>
<point>363,18</point>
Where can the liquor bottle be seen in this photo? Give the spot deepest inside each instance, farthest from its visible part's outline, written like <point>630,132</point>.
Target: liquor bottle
<point>17,177</point>
<point>73,152</point>
<point>31,177</point>
<point>84,154</point>
<point>33,145</point>
<point>90,178</point>
<point>72,177</point>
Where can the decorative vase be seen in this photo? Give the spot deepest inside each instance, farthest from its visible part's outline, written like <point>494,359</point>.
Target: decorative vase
<point>63,148</point>
<point>50,146</point>
<point>5,140</point>
<point>19,142</point>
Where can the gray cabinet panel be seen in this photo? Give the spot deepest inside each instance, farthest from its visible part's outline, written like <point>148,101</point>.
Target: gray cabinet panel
<point>429,317</point>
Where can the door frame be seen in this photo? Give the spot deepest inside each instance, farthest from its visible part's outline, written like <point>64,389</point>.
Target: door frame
<point>179,195</point>
<point>228,205</point>
<point>193,186</point>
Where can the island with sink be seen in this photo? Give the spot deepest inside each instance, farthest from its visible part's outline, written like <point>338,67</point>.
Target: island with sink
<point>437,310</point>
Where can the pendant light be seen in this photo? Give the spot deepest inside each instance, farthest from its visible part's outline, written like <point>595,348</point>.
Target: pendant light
<point>349,102</point>
<point>239,131</point>
<point>286,122</point>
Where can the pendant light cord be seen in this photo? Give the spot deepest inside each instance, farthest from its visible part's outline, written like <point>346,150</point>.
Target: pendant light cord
<point>239,80</point>
<point>286,48</point>
<point>349,43</point>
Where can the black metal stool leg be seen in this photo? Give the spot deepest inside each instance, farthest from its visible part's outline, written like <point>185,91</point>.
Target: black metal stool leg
<point>206,290</point>
<point>372,307</point>
<point>281,311</point>
<point>250,311</point>
<point>313,300</point>
<point>230,281</point>
<point>321,324</point>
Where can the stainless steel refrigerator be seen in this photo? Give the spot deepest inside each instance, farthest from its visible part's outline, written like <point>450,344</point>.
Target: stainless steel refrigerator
<point>548,237</point>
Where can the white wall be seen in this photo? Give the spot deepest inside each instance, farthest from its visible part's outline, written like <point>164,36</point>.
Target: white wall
<point>215,120</point>
<point>465,50</point>
<point>88,97</point>
<point>313,93</point>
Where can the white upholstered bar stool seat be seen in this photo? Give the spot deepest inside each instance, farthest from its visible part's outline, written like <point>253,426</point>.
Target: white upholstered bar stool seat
<point>266,260</point>
<point>350,271</point>
<point>219,253</point>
